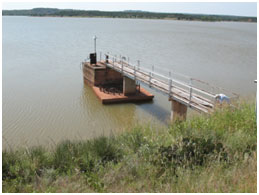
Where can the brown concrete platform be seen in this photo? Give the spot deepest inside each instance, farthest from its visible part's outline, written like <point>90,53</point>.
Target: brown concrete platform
<point>110,98</point>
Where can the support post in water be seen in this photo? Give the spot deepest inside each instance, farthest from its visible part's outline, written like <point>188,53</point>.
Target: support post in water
<point>129,86</point>
<point>178,111</point>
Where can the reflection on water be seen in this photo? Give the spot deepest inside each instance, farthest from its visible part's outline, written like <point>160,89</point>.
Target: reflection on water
<point>46,101</point>
<point>114,116</point>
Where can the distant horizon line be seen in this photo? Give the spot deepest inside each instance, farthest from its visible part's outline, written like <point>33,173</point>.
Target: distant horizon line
<point>130,10</point>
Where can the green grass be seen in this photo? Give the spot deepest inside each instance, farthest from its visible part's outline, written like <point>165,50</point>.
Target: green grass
<point>215,153</point>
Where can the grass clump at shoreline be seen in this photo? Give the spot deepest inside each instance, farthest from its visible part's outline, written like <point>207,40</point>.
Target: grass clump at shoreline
<point>214,153</point>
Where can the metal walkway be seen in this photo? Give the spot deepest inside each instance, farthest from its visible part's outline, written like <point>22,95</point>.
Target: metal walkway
<point>185,93</point>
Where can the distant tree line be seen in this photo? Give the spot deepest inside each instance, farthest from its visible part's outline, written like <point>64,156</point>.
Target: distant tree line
<point>124,14</point>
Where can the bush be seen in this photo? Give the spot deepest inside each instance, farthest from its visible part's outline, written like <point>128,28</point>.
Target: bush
<point>191,151</point>
<point>106,149</point>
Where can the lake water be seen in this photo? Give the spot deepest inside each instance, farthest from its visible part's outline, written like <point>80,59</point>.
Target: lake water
<point>44,96</point>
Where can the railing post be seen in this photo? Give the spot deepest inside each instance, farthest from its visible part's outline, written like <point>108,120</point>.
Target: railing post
<point>138,64</point>
<point>170,87</point>
<point>134,72</point>
<point>122,67</point>
<point>149,79</point>
<point>153,68</point>
<point>190,98</point>
<point>100,56</point>
<point>169,74</point>
<point>115,58</point>
<point>113,62</point>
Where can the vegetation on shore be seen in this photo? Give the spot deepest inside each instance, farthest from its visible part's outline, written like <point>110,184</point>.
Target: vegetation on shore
<point>214,153</point>
<point>124,14</point>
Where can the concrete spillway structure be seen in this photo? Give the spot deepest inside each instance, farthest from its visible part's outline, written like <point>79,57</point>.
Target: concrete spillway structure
<point>118,72</point>
<point>112,86</point>
<point>99,74</point>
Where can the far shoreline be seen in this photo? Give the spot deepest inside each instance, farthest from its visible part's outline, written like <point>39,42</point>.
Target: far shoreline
<point>168,19</point>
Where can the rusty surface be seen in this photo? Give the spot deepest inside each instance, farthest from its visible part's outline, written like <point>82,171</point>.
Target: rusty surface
<point>110,98</point>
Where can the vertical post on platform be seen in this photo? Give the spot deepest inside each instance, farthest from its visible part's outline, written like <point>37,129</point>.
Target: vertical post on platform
<point>94,43</point>
<point>138,64</point>
<point>153,68</point>
<point>107,58</point>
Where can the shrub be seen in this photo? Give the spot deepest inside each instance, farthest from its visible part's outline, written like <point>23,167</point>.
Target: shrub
<point>107,149</point>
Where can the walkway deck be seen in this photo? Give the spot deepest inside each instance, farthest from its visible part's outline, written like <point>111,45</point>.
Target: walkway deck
<point>186,94</point>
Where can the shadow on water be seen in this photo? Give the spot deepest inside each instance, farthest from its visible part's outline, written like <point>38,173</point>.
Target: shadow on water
<point>107,116</point>
<point>157,111</point>
<point>161,112</point>
<point>125,114</point>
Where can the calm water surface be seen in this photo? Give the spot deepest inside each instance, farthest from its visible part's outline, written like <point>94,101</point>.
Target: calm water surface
<point>44,96</point>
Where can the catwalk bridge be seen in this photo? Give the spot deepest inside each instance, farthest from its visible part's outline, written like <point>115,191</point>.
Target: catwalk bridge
<point>182,94</point>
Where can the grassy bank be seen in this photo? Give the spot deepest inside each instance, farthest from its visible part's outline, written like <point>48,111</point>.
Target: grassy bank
<point>214,153</point>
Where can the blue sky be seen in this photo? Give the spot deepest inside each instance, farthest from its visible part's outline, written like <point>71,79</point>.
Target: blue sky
<point>224,8</point>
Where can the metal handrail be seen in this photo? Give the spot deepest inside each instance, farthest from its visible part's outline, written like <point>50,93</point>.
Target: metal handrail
<point>200,90</point>
<point>165,77</point>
